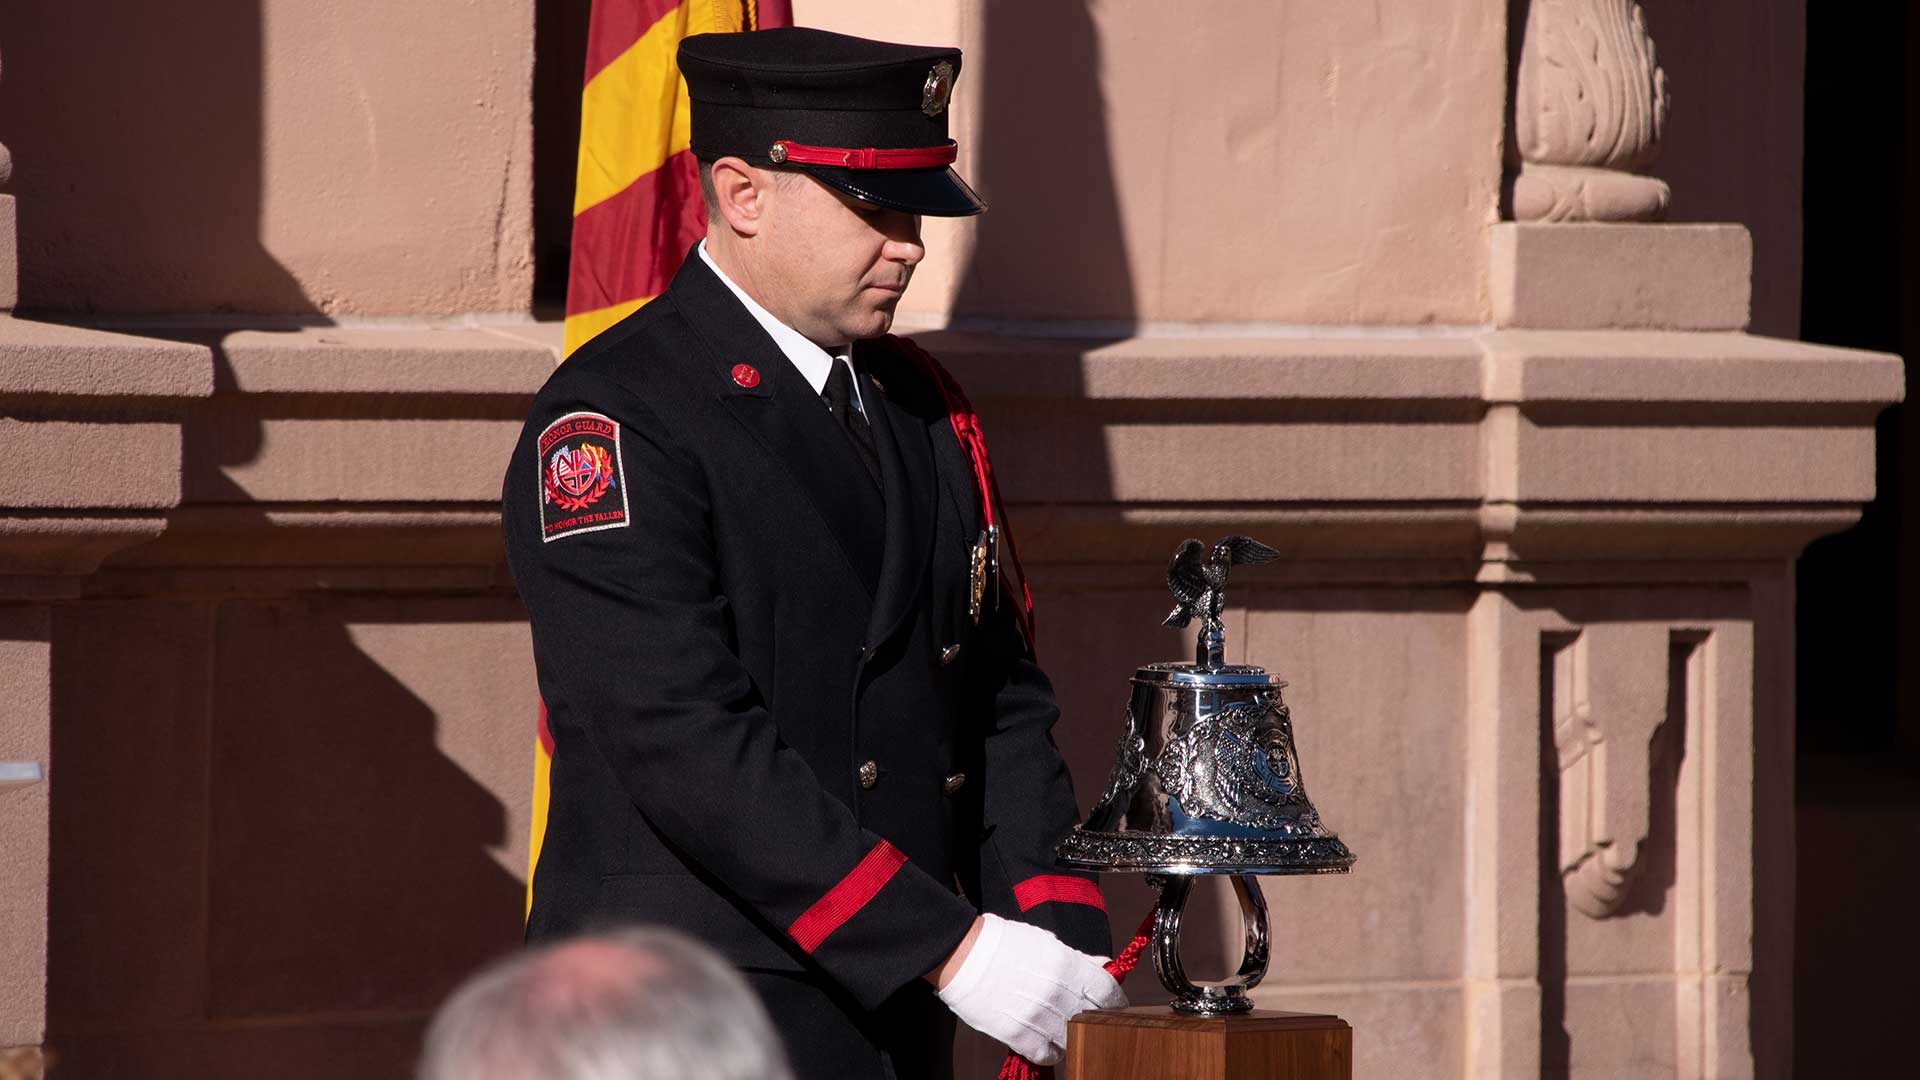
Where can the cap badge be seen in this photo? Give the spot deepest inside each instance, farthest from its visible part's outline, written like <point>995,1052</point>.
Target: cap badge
<point>745,375</point>
<point>933,97</point>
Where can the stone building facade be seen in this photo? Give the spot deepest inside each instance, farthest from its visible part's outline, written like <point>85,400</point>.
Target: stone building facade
<point>1396,287</point>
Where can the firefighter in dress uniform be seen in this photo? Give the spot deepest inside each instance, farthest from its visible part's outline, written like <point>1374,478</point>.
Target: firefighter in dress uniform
<point>794,708</point>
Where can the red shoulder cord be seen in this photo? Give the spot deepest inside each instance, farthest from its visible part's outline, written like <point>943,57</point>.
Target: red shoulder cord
<point>966,428</point>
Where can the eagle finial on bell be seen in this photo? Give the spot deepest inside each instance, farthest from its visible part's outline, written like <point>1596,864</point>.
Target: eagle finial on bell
<point>1206,780</point>
<point>1197,577</point>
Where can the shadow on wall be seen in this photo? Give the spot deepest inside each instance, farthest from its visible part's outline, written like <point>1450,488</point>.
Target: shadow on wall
<point>1051,246</point>
<point>1517,11</point>
<point>264,861</point>
<point>559,59</point>
<point>1051,250</point>
<point>1049,259</point>
<point>137,140</point>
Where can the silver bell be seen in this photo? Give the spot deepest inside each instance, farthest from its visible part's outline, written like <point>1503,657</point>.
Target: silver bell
<point>1206,780</point>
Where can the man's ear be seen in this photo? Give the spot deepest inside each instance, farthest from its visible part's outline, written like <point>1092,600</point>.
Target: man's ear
<point>740,195</point>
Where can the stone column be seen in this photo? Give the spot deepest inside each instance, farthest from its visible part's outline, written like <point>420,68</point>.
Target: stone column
<point>1641,732</point>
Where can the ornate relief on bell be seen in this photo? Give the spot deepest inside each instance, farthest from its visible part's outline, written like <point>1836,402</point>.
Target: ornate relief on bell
<point>1206,780</point>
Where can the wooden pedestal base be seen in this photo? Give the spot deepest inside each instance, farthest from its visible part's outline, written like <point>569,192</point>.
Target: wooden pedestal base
<point>1152,1042</point>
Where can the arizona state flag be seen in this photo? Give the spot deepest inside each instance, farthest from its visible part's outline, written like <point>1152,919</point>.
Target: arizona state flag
<point>636,203</point>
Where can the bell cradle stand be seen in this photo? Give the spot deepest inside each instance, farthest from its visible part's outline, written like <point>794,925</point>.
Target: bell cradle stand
<point>1222,999</point>
<point>1213,1032</point>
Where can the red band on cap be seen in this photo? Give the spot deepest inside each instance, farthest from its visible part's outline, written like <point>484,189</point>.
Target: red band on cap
<point>1058,888</point>
<point>845,899</point>
<point>922,157</point>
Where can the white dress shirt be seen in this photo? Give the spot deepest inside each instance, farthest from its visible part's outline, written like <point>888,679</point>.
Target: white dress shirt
<point>814,362</point>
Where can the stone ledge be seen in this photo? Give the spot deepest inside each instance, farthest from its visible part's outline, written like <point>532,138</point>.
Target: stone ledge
<point>43,359</point>
<point>1513,365</point>
<point>40,359</point>
<point>61,545</point>
<point>1439,454</point>
<point>417,535</point>
<point>328,360</point>
<point>1494,366</point>
<point>1573,276</point>
<point>116,464</point>
<point>1435,540</point>
<point>457,547</point>
<point>1682,367</point>
<point>1387,368</point>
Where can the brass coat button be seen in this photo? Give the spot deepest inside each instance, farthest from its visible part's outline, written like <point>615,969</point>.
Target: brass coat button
<point>869,775</point>
<point>947,654</point>
<point>954,783</point>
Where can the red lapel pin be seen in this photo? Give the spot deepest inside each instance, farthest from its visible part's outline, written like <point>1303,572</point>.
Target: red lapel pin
<point>745,375</point>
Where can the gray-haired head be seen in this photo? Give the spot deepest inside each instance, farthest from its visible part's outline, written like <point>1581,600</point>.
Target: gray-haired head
<point>639,1004</point>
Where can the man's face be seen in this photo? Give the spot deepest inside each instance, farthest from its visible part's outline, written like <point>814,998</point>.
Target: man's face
<point>841,264</point>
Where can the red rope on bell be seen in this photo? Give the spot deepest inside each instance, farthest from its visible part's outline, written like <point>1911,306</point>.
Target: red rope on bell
<point>1019,1068</point>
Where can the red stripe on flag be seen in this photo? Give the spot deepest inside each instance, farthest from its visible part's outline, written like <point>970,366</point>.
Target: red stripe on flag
<point>629,246</point>
<point>846,899</point>
<point>616,25</point>
<point>546,736</point>
<point>1059,888</point>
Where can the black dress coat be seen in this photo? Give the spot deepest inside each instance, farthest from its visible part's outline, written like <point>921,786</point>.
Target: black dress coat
<point>730,619</point>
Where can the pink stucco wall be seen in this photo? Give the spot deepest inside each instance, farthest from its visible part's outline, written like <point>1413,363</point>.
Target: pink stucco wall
<point>271,156</point>
<point>1217,161</point>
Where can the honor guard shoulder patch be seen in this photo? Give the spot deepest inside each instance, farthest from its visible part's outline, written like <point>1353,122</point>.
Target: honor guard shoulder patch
<point>583,486</point>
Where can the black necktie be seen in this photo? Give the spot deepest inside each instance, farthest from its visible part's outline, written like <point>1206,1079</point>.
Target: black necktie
<point>839,395</point>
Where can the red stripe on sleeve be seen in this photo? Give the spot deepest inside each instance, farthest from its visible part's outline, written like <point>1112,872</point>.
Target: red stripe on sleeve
<point>845,900</point>
<point>1058,888</point>
<point>545,733</point>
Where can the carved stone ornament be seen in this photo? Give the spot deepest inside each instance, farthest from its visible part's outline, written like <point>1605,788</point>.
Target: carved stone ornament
<point>1590,103</point>
<point>1604,755</point>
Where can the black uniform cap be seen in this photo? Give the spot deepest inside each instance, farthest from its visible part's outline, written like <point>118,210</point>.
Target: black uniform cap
<point>831,106</point>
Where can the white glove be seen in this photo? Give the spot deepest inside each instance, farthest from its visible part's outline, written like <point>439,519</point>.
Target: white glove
<point>1020,985</point>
